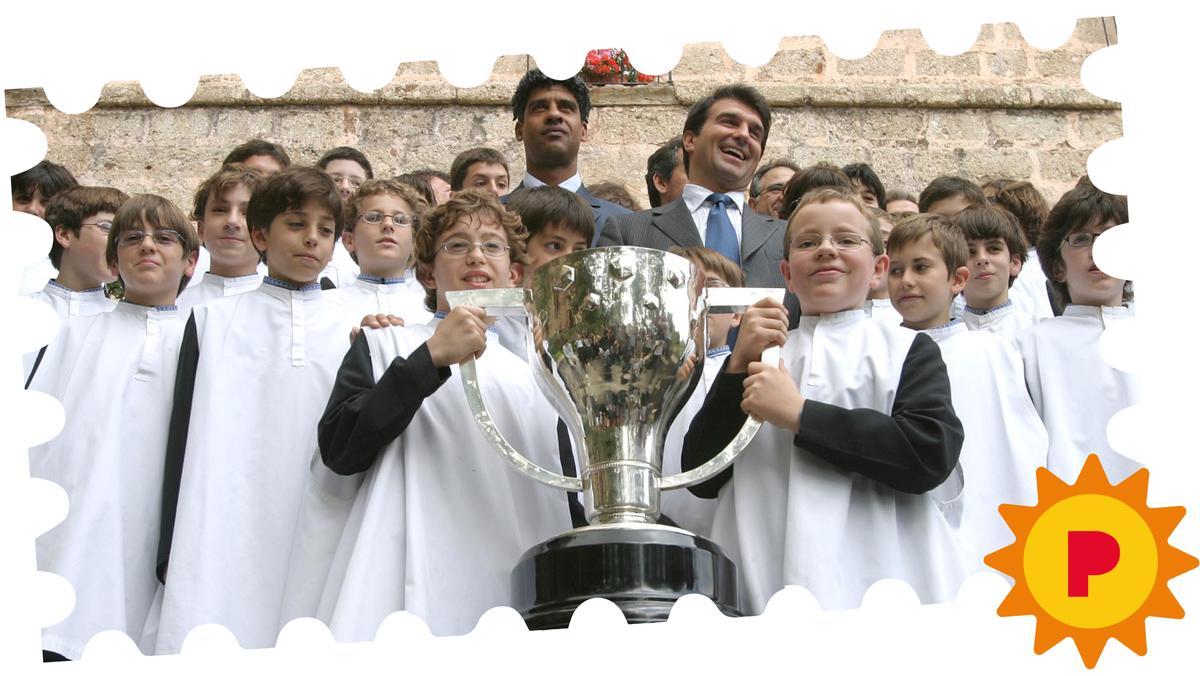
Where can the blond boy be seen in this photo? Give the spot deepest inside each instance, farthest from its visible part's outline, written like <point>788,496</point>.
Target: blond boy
<point>233,265</point>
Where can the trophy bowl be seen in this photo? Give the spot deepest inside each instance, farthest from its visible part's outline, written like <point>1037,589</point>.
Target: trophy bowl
<point>609,330</point>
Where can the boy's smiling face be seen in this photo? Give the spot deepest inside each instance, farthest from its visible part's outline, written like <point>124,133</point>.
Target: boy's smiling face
<point>224,233</point>
<point>151,272</point>
<point>382,249</point>
<point>828,279</point>
<point>298,243</point>
<point>475,270</point>
<point>991,265</point>
<point>920,286</point>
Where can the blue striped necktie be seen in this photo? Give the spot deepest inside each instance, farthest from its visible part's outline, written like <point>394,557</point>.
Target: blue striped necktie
<point>720,236</point>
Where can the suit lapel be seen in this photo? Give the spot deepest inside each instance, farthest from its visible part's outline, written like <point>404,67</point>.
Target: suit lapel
<point>674,221</point>
<point>756,230</point>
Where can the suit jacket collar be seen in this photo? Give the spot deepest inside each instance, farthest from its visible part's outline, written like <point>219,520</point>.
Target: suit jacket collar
<point>756,230</point>
<point>675,221</point>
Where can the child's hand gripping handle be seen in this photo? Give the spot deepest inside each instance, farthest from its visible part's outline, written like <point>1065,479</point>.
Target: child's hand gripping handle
<point>501,302</point>
<point>726,300</point>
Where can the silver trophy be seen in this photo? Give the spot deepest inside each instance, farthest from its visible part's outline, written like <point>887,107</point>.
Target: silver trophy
<point>609,331</point>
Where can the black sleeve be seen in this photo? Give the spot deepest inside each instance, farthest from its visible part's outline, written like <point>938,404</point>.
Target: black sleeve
<point>177,435</point>
<point>715,425</point>
<point>364,416</point>
<point>567,459</point>
<point>36,363</point>
<point>914,449</point>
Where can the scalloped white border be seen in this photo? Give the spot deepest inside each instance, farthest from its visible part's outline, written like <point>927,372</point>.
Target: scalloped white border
<point>73,50</point>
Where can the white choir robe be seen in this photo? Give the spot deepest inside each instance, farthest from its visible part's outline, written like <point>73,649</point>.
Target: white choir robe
<point>114,374</point>
<point>438,522</point>
<point>266,365</point>
<point>789,517</point>
<point>1005,440</point>
<point>371,295</point>
<point>1075,391</point>
<point>1004,320</point>
<point>67,305</point>
<point>34,277</point>
<point>202,267</point>
<point>1028,293</point>
<point>691,512</point>
<point>211,287</point>
<point>881,310</point>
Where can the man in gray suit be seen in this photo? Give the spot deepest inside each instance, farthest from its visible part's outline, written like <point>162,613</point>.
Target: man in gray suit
<point>551,120</point>
<point>723,140</point>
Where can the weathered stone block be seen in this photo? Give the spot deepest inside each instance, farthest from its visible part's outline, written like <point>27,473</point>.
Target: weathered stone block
<point>1062,164</point>
<point>791,65</point>
<point>931,64</point>
<point>1008,64</point>
<point>980,164</point>
<point>1096,129</point>
<point>879,63</point>
<point>1029,128</point>
<point>1060,64</point>
<point>878,126</point>
<point>959,126</point>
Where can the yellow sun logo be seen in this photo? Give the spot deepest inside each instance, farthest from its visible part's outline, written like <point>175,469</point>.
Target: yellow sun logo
<point>1091,561</point>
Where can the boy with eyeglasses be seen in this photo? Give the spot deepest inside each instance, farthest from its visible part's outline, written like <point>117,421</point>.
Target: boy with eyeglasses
<point>995,256</point>
<point>1074,390</point>
<point>380,221</point>
<point>219,210</point>
<point>109,455</point>
<point>414,509</point>
<point>832,493</point>
<point>254,373</point>
<point>349,169</point>
<point>1005,441</point>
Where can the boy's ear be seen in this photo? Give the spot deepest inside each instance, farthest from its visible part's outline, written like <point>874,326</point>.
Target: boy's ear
<point>1015,265</point>
<point>958,281</point>
<point>1060,272</point>
<point>63,236</point>
<point>787,273</point>
<point>258,237</point>
<point>516,271</point>
<point>348,240</point>
<point>879,274</point>
<point>189,264</point>
<point>737,320</point>
<point>425,277</point>
<point>200,230</point>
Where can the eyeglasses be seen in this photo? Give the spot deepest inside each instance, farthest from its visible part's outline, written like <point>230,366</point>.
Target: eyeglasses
<point>843,241</point>
<point>376,218</point>
<point>458,248</point>
<point>1079,240</point>
<point>164,238</point>
<point>714,283</point>
<point>102,226</point>
<point>353,181</point>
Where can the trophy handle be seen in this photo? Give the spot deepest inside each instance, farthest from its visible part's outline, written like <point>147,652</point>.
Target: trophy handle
<point>728,299</point>
<point>501,302</point>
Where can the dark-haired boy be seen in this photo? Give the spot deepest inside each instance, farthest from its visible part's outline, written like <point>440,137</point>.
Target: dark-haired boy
<point>948,195</point>
<point>1031,291</point>
<point>432,519</point>
<point>480,169</point>
<point>995,256</point>
<point>31,191</point>
<point>551,121</point>
<point>1004,440</point>
<point>349,169</point>
<point>114,374</point>
<point>81,218</point>
<point>879,303</point>
<point>1074,389</point>
<point>219,210</point>
<point>254,373</point>
<point>867,184</point>
<point>263,156</point>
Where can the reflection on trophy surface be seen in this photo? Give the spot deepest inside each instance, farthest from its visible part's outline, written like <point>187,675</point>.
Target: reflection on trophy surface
<point>615,326</point>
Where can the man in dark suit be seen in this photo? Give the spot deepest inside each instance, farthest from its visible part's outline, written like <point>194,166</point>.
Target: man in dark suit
<point>723,140</point>
<point>551,120</point>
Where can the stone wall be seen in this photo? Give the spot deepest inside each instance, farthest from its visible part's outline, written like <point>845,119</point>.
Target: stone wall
<point>1001,108</point>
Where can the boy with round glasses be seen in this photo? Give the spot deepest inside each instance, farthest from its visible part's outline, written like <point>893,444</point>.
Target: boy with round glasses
<point>380,221</point>
<point>109,455</point>
<point>412,509</point>
<point>1074,390</point>
<point>832,493</point>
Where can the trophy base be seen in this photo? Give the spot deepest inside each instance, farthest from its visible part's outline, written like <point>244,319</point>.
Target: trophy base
<point>643,569</point>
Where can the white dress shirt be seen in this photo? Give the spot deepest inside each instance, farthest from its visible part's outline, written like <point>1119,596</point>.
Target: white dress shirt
<point>573,184</point>
<point>694,196</point>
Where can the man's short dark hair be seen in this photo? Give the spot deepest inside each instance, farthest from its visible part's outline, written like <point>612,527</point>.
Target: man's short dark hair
<point>467,159</point>
<point>698,114</point>
<point>662,163</point>
<point>898,196</point>
<point>864,174</point>
<point>45,177</point>
<point>346,153</point>
<point>256,147</point>
<point>536,79</point>
<point>756,185</point>
<point>290,189</point>
<point>944,187</point>
<point>611,191</point>
<point>551,205</point>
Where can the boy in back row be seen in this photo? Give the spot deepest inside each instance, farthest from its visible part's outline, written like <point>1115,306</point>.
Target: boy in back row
<point>995,257</point>
<point>254,373</point>
<point>832,493</point>
<point>109,455</point>
<point>1005,441</point>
